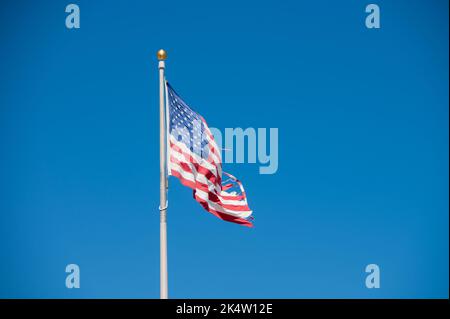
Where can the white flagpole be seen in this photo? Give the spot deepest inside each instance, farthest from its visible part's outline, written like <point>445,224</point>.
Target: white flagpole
<point>162,179</point>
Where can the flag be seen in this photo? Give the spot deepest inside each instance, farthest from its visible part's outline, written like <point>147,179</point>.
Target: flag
<point>195,159</point>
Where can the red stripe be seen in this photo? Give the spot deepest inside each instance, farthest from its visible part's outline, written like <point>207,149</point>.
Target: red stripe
<point>227,187</point>
<point>233,197</point>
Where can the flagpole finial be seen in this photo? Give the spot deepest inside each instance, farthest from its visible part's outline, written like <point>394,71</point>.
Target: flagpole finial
<point>162,55</point>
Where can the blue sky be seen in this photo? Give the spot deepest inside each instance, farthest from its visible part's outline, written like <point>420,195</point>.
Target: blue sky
<point>363,148</point>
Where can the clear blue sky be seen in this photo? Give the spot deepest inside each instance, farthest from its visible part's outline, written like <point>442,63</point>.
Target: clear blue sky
<point>363,148</point>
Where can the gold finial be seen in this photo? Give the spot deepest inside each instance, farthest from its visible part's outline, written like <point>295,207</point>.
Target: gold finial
<point>162,55</point>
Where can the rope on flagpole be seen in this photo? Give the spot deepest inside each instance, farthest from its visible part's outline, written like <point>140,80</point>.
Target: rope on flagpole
<point>165,207</point>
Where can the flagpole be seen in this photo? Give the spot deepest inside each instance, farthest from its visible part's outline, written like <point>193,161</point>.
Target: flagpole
<point>162,55</point>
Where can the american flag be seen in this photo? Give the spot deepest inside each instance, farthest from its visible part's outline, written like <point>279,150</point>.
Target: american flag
<point>195,159</point>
